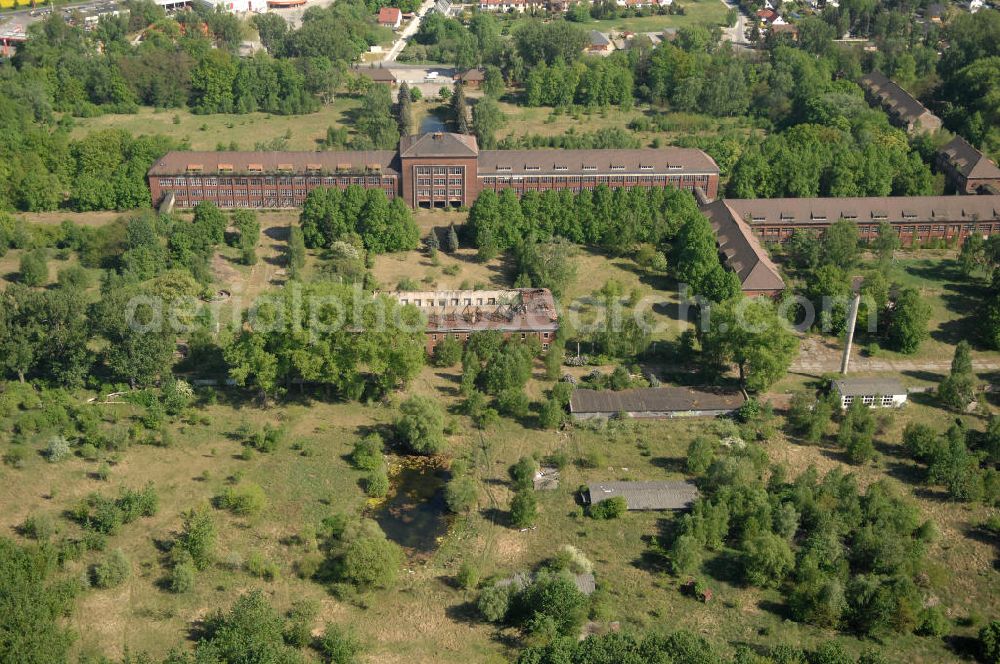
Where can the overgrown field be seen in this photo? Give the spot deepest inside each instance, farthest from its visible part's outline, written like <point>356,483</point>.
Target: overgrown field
<point>198,456</point>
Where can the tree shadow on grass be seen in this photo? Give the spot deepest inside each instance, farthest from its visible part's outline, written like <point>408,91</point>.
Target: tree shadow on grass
<point>966,647</point>
<point>466,613</point>
<point>775,608</point>
<point>724,566</point>
<point>672,464</point>
<point>496,516</point>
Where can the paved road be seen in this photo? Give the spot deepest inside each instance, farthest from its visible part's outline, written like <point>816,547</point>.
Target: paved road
<point>736,34</point>
<point>408,32</point>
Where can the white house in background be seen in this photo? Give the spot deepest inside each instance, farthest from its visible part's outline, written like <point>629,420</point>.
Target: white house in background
<point>873,392</point>
<point>976,5</point>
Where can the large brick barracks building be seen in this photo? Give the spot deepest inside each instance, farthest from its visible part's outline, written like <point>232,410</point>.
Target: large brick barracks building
<point>428,170</point>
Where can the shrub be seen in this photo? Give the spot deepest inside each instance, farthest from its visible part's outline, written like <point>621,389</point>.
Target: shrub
<point>298,628</point>
<point>932,622</point>
<point>371,562</point>
<point>685,555</point>
<point>112,571</point>
<point>38,527</point>
<point>377,484</point>
<point>57,449</point>
<point>198,536</point>
<point>34,270</point>
<point>989,642</point>
<point>523,473</point>
<point>367,453</point>
<point>513,402</point>
<point>572,559</point>
<point>468,575</point>
<point>448,352</point>
<point>259,566</point>
<point>494,602</point>
<point>552,414</point>
<point>523,509</point>
<point>612,508</point>
<point>182,577</point>
<point>338,645</point>
<point>15,457</point>
<point>593,459</point>
<point>700,454</point>
<point>246,500</point>
<point>177,395</point>
<point>87,451</point>
<point>421,425</point>
<point>461,494</point>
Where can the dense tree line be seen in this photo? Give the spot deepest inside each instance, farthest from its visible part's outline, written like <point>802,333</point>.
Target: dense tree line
<point>592,82</point>
<point>682,647</point>
<point>969,71</point>
<point>330,215</point>
<point>618,220</point>
<point>180,64</point>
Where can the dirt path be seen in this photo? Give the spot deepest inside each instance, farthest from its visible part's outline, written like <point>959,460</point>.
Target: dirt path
<point>818,356</point>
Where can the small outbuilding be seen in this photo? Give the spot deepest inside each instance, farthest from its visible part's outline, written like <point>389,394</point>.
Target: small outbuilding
<point>873,392</point>
<point>655,402</point>
<point>674,495</point>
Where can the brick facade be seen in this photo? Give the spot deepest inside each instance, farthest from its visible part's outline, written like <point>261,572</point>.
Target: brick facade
<point>428,170</point>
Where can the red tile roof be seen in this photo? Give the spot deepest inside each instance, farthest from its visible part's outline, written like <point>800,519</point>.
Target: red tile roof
<point>389,15</point>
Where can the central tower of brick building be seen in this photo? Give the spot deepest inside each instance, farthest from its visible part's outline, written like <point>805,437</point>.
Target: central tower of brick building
<point>439,169</point>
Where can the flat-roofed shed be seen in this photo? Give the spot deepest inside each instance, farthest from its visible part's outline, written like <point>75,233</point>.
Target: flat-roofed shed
<point>667,495</point>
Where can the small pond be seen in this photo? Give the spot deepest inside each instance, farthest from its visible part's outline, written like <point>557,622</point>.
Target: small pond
<point>432,122</point>
<point>416,515</point>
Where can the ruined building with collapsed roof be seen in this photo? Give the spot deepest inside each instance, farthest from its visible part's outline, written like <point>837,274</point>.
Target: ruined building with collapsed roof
<point>521,313</point>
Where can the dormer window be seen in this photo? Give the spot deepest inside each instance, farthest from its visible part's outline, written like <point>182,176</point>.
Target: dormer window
<point>909,214</point>
<point>818,216</point>
<point>505,169</point>
<point>313,168</point>
<point>589,168</point>
<point>879,214</point>
<point>225,168</point>
<point>532,168</point>
<point>617,167</point>
<point>284,168</point>
<point>194,168</point>
<point>560,167</point>
<point>645,167</point>
<point>255,168</point>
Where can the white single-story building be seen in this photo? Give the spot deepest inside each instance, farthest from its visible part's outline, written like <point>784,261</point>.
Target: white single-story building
<point>873,392</point>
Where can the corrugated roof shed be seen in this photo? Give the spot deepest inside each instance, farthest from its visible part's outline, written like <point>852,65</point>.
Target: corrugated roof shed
<point>672,495</point>
<point>654,400</point>
<point>856,387</point>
